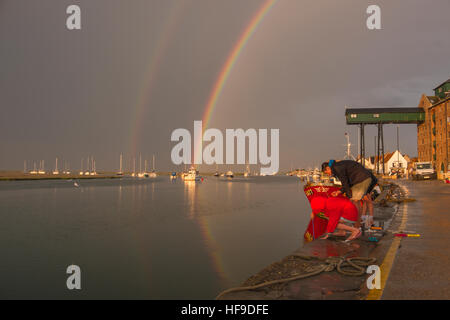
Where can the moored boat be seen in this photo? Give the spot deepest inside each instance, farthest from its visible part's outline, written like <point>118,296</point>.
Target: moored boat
<point>318,224</point>
<point>192,175</point>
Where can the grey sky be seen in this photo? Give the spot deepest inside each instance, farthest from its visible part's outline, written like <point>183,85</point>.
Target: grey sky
<point>140,69</point>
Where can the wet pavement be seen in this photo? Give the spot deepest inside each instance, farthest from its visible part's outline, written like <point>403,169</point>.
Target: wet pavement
<point>328,285</point>
<point>421,265</point>
<point>417,266</point>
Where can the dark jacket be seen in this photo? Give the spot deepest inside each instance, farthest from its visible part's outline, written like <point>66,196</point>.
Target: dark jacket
<point>350,172</point>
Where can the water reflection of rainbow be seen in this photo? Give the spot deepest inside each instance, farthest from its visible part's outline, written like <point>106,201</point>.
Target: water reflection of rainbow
<point>214,250</point>
<point>205,228</point>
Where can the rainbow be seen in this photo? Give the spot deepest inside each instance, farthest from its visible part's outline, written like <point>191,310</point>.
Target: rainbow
<point>203,222</point>
<point>232,58</point>
<point>151,72</point>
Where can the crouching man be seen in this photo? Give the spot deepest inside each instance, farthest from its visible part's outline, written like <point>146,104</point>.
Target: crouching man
<point>342,215</point>
<point>356,180</point>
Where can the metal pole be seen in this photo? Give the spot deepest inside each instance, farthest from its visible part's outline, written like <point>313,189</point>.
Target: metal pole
<point>378,148</point>
<point>398,150</point>
<point>363,146</point>
<point>374,148</point>
<point>382,148</point>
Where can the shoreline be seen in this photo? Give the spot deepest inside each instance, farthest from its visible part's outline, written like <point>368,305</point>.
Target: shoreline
<point>20,176</point>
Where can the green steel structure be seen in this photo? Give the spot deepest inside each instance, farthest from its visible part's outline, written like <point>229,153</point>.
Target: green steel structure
<point>379,117</point>
<point>442,90</point>
<point>384,115</point>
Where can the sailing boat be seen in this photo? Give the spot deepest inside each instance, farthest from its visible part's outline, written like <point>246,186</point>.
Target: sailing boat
<point>140,173</point>
<point>94,171</point>
<point>120,173</point>
<point>66,168</point>
<point>34,171</point>
<point>152,174</point>
<point>133,174</point>
<point>56,167</point>
<point>41,167</point>
<point>247,171</point>
<point>216,174</point>
<point>88,168</point>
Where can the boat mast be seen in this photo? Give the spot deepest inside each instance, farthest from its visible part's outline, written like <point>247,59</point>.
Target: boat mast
<point>120,164</point>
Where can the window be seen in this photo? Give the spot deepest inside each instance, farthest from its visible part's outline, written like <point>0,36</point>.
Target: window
<point>353,115</point>
<point>424,166</point>
<point>376,115</point>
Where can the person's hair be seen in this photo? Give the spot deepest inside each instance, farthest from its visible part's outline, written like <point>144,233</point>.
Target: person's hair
<point>324,166</point>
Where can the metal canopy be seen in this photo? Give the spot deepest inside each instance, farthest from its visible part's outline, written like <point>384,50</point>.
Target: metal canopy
<point>379,117</point>
<point>384,115</point>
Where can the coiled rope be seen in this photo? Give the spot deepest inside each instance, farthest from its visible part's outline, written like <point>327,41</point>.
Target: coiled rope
<point>355,266</point>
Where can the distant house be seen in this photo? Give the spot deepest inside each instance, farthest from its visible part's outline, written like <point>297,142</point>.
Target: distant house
<point>393,161</point>
<point>368,162</point>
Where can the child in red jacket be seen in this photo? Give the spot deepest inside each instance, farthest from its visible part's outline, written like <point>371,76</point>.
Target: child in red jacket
<point>340,212</point>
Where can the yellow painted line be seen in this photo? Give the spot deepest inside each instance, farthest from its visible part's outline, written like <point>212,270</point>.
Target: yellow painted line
<point>386,266</point>
<point>385,269</point>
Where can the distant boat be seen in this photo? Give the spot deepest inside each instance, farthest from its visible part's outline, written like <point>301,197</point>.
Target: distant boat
<point>141,174</point>
<point>81,170</point>
<point>41,169</point>
<point>66,168</point>
<point>247,172</point>
<point>229,174</point>
<point>56,167</point>
<point>94,171</point>
<point>216,174</point>
<point>153,174</point>
<point>120,173</point>
<point>316,174</point>
<point>34,171</point>
<point>192,175</point>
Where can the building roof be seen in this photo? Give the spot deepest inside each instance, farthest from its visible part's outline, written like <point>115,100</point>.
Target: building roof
<point>448,81</point>
<point>388,156</point>
<point>433,99</point>
<point>440,101</point>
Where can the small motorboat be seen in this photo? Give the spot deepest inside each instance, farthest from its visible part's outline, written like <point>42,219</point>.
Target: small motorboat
<point>192,175</point>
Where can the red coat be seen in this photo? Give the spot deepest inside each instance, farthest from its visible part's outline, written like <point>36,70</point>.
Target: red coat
<point>334,209</point>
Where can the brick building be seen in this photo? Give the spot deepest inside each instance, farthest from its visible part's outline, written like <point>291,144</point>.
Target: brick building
<point>433,136</point>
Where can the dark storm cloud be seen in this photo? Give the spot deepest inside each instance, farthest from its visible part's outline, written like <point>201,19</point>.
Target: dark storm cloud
<point>76,93</point>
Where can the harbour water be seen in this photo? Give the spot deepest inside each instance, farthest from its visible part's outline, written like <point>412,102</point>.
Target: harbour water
<point>145,239</point>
